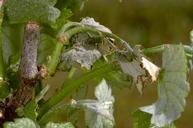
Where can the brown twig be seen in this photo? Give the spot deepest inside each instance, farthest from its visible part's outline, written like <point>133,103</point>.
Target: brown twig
<point>28,73</point>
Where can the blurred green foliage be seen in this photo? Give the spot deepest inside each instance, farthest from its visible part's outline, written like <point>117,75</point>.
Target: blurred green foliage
<point>147,22</point>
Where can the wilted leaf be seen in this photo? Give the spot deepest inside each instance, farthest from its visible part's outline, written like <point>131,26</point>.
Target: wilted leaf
<point>91,22</point>
<point>88,47</point>
<point>132,68</point>
<point>26,10</point>
<point>152,69</point>
<point>20,123</point>
<point>135,70</point>
<point>139,68</point>
<point>81,55</point>
<point>59,125</point>
<point>172,87</point>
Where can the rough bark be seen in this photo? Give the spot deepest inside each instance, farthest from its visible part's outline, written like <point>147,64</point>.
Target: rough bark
<point>28,73</point>
<point>28,67</point>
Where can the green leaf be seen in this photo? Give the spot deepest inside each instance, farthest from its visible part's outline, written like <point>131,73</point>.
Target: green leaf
<point>42,93</point>
<point>65,14</point>
<point>28,123</point>
<point>4,89</point>
<point>20,123</point>
<point>46,48</point>
<point>172,87</point>
<point>30,110</point>
<point>72,84</point>
<point>118,79</point>
<point>12,42</point>
<point>42,11</point>
<point>59,125</point>
<point>71,4</point>
<point>49,52</point>
<point>142,119</point>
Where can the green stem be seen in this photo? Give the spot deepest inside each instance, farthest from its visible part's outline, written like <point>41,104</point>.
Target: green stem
<point>68,26</point>
<point>156,49</point>
<point>160,48</point>
<point>71,72</point>
<point>69,33</point>
<point>52,113</point>
<point>55,57</point>
<point>72,84</point>
<point>119,40</point>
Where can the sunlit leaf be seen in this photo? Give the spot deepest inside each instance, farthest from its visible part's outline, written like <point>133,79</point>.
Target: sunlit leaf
<point>59,125</point>
<point>21,123</point>
<point>172,87</point>
<point>103,92</point>
<point>98,113</point>
<point>26,10</point>
<point>191,36</point>
<point>152,69</point>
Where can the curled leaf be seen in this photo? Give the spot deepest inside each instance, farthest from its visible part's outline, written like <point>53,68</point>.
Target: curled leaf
<point>91,22</point>
<point>80,55</point>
